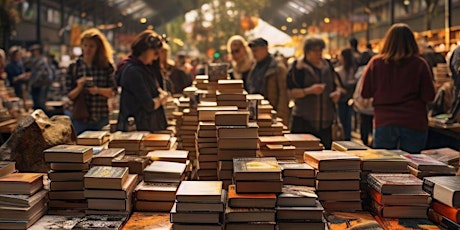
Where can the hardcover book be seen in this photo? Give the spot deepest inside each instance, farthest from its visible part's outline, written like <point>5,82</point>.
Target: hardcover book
<point>328,160</point>
<point>106,177</point>
<point>105,157</point>
<point>380,160</point>
<point>68,154</point>
<point>347,146</point>
<point>445,155</point>
<point>250,214</point>
<point>304,140</point>
<point>245,200</point>
<point>387,183</point>
<point>225,118</point>
<point>156,191</point>
<point>199,191</point>
<point>164,171</point>
<point>156,140</point>
<point>93,137</point>
<point>256,169</point>
<point>425,163</point>
<point>299,213</point>
<point>7,167</point>
<point>297,196</point>
<point>445,189</point>
<point>124,193</point>
<point>179,156</point>
<point>21,183</point>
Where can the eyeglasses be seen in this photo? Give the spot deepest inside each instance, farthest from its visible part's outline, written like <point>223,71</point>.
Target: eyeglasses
<point>235,51</point>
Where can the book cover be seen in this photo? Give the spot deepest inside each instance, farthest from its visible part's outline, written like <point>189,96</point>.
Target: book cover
<point>446,189</point>
<point>445,155</point>
<point>106,177</point>
<point>398,183</point>
<point>250,200</point>
<point>68,154</point>
<point>205,191</point>
<point>128,136</point>
<point>169,155</point>
<point>21,183</point>
<point>347,145</point>
<point>266,168</point>
<point>164,171</point>
<point>293,196</point>
<point>332,160</point>
<point>225,118</point>
<point>297,169</point>
<point>93,137</point>
<point>351,220</point>
<point>156,139</point>
<point>156,191</point>
<point>124,193</point>
<point>303,140</point>
<point>424,162</point>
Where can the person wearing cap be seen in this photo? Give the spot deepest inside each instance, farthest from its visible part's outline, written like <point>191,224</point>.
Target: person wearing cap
<point>268,77</point>
<point>92,76</point>
<point>142,98</point>
<point>315,88</point>
<point>15,71</point>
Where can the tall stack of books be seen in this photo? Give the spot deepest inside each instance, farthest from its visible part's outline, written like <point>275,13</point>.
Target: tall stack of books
<point>186,129</point>
<point>130,141</point>
<point>23,200</point>
<point>69,164</point>
<point>445,206</point>
<point>299,208</point>
<point>231,93</point>
<point>303,142</point>
<point>377,161</point>
<point>398,196</point>
<point>199,205</point>
<point>337,179</point>
<point>109,190</point>
<point>295,173</point>
<point>250,210</point>
<point>276,146</point>
<point>421,165</point>
<point>257,175</point>
<point>206,149</point>
<point>236,137</point>
<point>157,141</point>
<point>445,155</point>
<point>93,138</point>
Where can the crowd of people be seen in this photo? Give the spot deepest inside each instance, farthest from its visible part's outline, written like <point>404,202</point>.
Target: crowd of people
<point>388,93</point>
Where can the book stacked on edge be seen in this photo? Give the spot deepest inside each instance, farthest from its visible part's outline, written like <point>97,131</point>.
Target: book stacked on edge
<point>276,146</point>
<point>377,161</point>
<point>199,205</point>
<point>304,142</point>
<point>231,93</point>
<point>206,151</point>
<point>93,138</point>
<point>257,175</point>
<point>421,165</point>
<point>236,137</point>
<point>157,141</point>
<point>445,155</point>
<point>299,208</point>
<point>295,173</point>
<point>337,179</point>
<point>250,210</point>
<point>445,206</point>
<point>23,200</point>
<point>130,141</point>
<point>69,164</point>
<point>398,195</point>
<point>109,190</point>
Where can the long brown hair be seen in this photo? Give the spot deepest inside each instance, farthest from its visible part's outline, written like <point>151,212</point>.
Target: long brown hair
<point>104,52</point>
<point>399,43</point>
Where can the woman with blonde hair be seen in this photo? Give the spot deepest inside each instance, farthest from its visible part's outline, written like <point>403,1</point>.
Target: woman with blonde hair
<point>91,77</point>
<point>241,56</point>
<point>400,82</point>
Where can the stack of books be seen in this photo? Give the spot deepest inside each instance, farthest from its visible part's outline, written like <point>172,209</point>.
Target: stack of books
<point>130,141</point>
<point>445,155</point>
<point>377,161</point>
<point>445,206</point>
<point>109,190</point>
<point>151,196</point>
<point>257,175</point>
<point>93,138</point>
<point>201,82</point>
<point>186,127</point>
<point>304,142</point>
<point>236,137</point>
<point>69,164</point>
<point>206,149</point>
<point>250,210</point>
<point>295,173</point>
<point>276,146</point>
<point>231,93</point>
<point>106,156</point>
<point>337,179</point>
<point>199,205</point>
<point>299,208</point>
<point>398,196</point>
<point>23,200</point>
<point>421,165</point>
<point>157,141</point>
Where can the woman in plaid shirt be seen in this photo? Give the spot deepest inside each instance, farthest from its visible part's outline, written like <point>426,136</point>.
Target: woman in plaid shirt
<point>93,75</point>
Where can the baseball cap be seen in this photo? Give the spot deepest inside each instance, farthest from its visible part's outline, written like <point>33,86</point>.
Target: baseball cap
<point>258,42</point>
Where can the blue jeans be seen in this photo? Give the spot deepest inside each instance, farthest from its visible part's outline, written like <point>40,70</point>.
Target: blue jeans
<point>82,125</point>
<point>391,137</point>
<point>345,118</point>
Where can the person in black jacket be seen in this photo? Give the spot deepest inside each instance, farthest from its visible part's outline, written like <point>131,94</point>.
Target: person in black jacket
<point>142,97</point>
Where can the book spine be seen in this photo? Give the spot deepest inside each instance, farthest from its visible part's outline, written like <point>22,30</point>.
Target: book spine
<point>428,186</point>
<point>374,183</point>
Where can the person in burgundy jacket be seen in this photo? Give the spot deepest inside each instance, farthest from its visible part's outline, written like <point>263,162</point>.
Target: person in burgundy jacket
<point>400,82</point>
